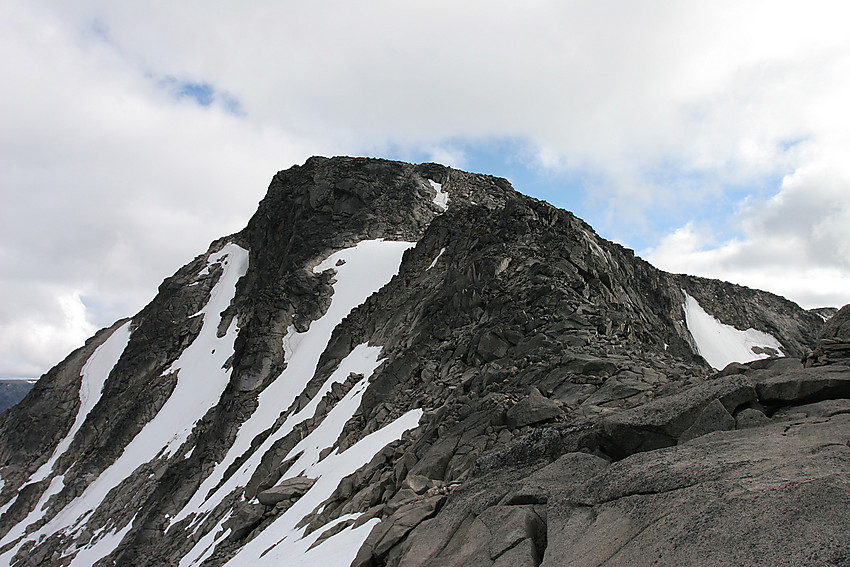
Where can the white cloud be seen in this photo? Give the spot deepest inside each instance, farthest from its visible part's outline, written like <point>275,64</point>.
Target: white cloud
<point>796,244</point>
<point>42,321</point>
<point>109,185</point>
<point>111,180</point>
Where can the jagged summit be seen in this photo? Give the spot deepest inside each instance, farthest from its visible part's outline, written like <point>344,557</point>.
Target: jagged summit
<point>398,364</point>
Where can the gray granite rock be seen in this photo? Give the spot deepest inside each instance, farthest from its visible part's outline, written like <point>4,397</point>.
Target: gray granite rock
<point>761,496</point>
<point>524,298</point>
<point>713,417</point>
<point>290,488</point>
<point>534,408</point>
<point>805,385</point>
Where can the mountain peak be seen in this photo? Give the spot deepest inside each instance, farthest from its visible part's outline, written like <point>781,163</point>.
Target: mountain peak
<point>388,343</point>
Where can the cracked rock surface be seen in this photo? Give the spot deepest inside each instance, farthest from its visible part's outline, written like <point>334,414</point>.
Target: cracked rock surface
<point>566,415</point>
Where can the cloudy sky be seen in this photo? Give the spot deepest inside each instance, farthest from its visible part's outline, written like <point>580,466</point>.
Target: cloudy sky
<point>711,137</point>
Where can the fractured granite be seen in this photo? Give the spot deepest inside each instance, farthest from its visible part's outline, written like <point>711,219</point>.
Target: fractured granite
<point>567,419</point>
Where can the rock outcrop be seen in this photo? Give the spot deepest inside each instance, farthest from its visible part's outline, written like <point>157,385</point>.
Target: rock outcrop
<point>364,374</point>
<point>834,341</point>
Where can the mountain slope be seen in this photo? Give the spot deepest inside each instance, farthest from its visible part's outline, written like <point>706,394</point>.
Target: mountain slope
<point>380,340</point>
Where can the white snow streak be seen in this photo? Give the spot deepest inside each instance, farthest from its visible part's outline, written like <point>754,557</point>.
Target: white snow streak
<point>201,378</point>
<point>434,263</point>
<point>56,486</point>
<point>367,267</point>
<point>595,248</point>
<point>206,545</point>
<point>362,360</point>
<point>89,555</point>
<point>284,544</point>
<point>94,375</point>
<point>720,344</point>
<point>442,198</point>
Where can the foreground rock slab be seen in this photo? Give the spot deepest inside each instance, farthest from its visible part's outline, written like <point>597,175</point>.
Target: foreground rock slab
<point>775,495</point>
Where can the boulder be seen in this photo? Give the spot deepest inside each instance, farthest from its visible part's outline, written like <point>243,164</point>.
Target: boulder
<point>662,421</point>
<point>405,519</point>
<point>616,389</point>
<point>294,487</point>
<point>805,385</point>
<point>492,347</point>
<point>534,408</point>
<point>713,417</point>
<point>750,417</point>
<point>417,483</point>
<point>485,538</point>
<point>584,364</point>
<point>248,516</point>
<point>826,408</point>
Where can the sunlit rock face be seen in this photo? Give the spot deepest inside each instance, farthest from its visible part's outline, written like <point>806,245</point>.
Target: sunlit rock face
<point>398,364</point>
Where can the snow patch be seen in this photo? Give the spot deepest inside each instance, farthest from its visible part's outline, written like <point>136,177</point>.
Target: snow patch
<point>205,547</point>
<point>106,544</point>
<point>719,344</point>
<point>283,544</point>
<point>201,378</point>
<point>17,531</point>
<point>442,198</point>
<point>362,360</point>
<point>434,263</point>
<point>367,267</point>
<point>595,248</point>
<point>93,376</point>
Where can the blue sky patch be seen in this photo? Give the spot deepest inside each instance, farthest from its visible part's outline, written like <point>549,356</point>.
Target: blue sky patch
<point>201,93</point>
<point>692,195</point>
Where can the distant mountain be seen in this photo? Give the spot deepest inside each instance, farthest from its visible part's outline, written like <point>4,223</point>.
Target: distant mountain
<point>824,313</point>
<point>401,365</point>
<point>13,391</point>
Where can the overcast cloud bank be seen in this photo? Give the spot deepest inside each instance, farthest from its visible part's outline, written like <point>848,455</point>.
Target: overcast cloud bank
<point>710,136</point>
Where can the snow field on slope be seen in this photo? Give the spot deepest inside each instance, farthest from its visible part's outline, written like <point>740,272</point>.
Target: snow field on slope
<point>442,198</point>
<point>57,483</point>
<point>367,267</point>
<point>363,359</point>
<point>201,378</point>
<point>92,377</point>
<point>283,544</point>
<point>103,545</point>
<point>720,344</point>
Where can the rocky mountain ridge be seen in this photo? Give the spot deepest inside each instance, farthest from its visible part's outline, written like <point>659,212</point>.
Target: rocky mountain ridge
<point>421,364</point>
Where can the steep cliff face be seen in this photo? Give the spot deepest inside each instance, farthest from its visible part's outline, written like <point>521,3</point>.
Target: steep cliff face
<point>377,362</point>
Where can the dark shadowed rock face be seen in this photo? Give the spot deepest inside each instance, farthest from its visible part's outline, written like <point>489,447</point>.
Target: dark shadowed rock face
<point>521,392</point>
